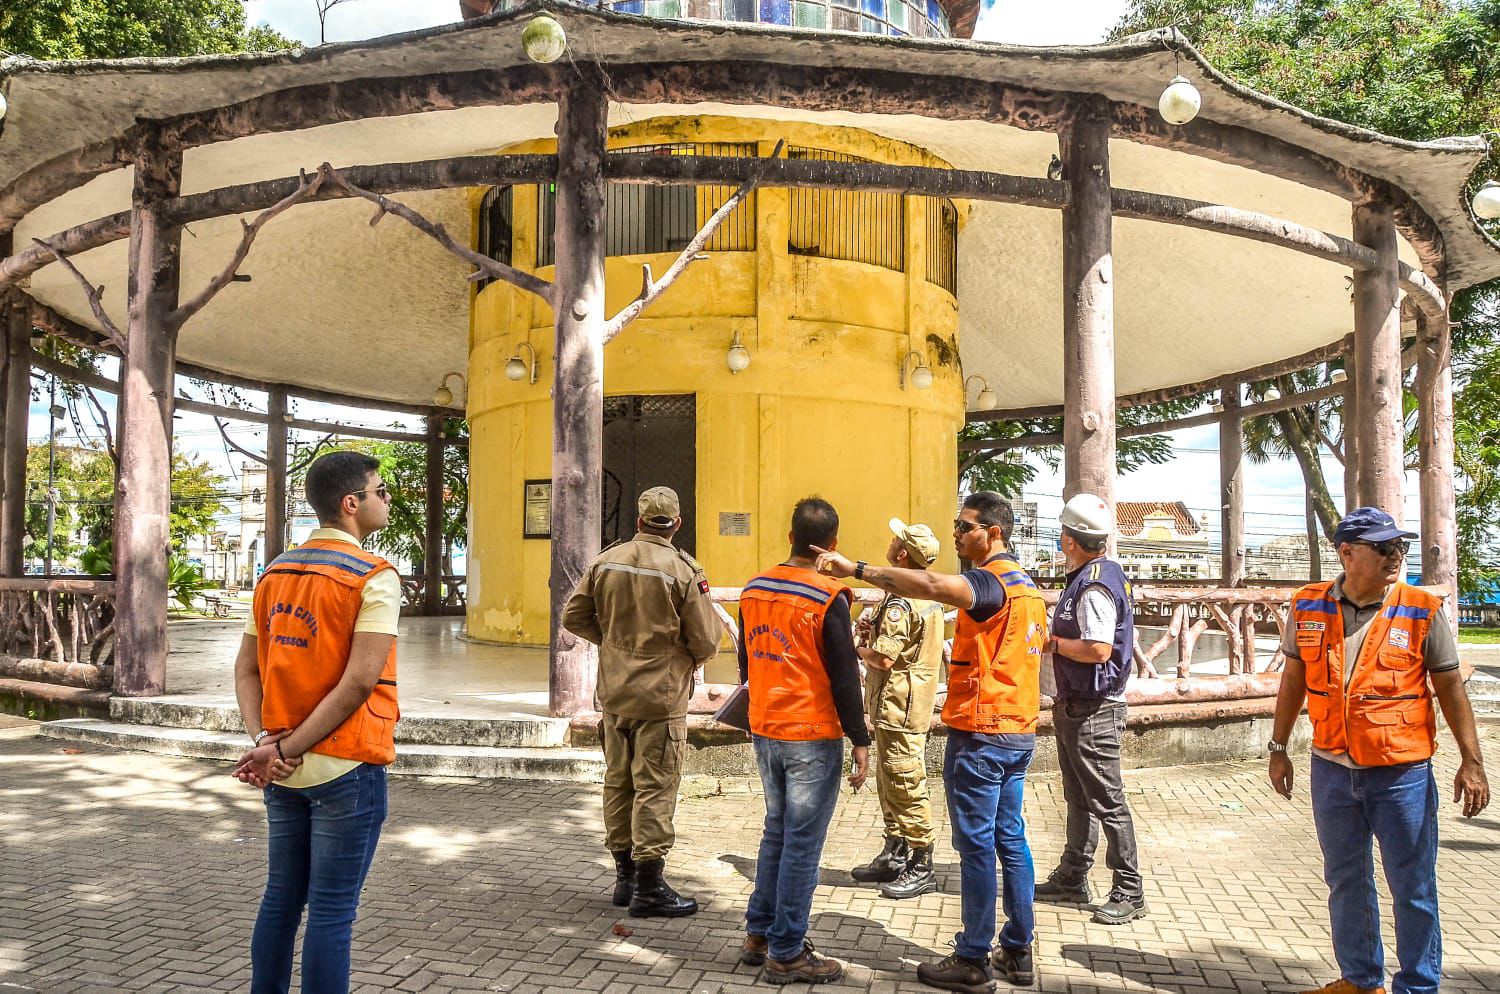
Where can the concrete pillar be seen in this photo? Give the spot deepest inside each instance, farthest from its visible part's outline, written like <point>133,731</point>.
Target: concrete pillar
<point>17,412</point>
<point>1377,368</point>
<point>1088,305</point>
<point>578,384</point>
<point>143,508</point>
<point>1231,487</point>
<point>276,474</point>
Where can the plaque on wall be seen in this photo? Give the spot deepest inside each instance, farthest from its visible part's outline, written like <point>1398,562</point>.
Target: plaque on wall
<point>536,509</point>
<point>734,522</point>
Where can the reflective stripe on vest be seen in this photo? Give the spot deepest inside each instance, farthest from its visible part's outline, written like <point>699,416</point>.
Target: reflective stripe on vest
<point>1381,714</point>
<point>306,604</point>
<point>994,680</point>
<point>783,611</point>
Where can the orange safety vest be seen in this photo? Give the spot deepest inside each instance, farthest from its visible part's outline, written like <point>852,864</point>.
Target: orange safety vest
<point>306,604</point>
<point>994,678</point>
<point>783,611</point>
<point>1382,713</point>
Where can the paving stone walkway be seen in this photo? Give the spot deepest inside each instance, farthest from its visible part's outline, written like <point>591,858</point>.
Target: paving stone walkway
<point>133,872</point>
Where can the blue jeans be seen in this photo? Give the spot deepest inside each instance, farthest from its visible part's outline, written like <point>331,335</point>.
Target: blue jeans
<point>1396,805</point>
<point>801,780</point>
<point>322,840</point>
<point>985,785</point>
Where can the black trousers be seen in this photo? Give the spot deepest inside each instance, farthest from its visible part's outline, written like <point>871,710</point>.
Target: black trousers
<point>1089,733</point>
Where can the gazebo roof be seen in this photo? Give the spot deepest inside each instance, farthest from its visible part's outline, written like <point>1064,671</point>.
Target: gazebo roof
<point>64,160</point>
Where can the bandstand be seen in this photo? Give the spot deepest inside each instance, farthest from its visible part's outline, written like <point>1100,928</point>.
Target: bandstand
<point>755,250</point>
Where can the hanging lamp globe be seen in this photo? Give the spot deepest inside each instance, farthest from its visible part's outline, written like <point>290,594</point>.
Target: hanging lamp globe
<point>443,397</point>
<point>2,106</point>
<point>1180,101</point>
<point>515,368</point>
<point>544,39</point>
<point>921,377</point>
<point>738,358</point>
<point>1487,201</point>
<point>986,401</point>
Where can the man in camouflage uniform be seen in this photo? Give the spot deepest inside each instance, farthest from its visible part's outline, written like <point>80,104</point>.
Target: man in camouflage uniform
<point>645,604</point>
<point>901,646</point>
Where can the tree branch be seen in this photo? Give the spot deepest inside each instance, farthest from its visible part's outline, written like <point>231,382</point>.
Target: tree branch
<point>308,187</point>
<point>312,453</point>
<point>224,432</point>
<point>102,417</point>
<point>652,289</point>
<point>95,295</point>
<point>488,266</point>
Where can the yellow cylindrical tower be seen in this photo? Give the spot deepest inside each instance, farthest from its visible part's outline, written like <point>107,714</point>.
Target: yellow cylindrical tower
<point>829,292</point>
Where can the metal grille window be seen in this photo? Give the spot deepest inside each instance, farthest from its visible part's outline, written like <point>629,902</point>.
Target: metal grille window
<point>495,217</point>
<point>942,243</point>
<point>645,218</point>
<point>846,224</point>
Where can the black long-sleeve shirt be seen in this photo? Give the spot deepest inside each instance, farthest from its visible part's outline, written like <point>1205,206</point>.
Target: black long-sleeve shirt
<point>842,664</point>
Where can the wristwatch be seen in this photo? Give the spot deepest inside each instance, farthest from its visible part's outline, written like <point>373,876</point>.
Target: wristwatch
<point>260,735</point>
<point>859,569</point>
<point>1274,746</point>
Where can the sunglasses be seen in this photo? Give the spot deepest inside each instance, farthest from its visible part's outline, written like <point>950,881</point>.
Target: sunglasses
<point>381,491</point>
<point>1389,547</point>
<point>964,527</point>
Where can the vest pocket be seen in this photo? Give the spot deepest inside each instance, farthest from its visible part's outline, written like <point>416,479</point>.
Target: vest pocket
<point>1318,705</point>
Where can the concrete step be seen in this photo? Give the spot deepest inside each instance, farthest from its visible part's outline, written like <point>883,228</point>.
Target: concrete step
<point>510,731</point>
<point>487,762</point>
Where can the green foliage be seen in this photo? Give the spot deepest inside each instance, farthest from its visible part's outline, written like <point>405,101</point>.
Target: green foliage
<point>185,581</point>
<point>1415,69</point>
<point>1007,473</point>
<point>117,29</point>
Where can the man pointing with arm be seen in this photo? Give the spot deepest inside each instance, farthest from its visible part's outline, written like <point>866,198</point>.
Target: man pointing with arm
<point>991,711</point>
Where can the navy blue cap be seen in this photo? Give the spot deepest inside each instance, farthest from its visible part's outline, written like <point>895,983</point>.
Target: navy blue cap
<point>1368,524</point>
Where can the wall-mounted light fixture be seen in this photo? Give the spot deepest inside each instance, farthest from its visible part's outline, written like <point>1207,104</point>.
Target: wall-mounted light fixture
<point>986,401</point>
<point>921,376</point>
<point>515,366</point>
<point>443,397</point>
<point>3,106</point>
<point>1338,376</point>
<point>738,357</point>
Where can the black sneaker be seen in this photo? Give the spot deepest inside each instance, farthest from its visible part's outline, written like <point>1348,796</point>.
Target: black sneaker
<point>955,973</point>
<point>1057,889</point>
<point>1119,909</point>
<point>1015,963</point>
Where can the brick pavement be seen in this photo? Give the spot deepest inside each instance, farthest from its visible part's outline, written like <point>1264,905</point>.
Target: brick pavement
<point>130,872</point>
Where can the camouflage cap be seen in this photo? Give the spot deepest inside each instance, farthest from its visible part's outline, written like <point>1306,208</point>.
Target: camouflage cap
<point>919,541</point>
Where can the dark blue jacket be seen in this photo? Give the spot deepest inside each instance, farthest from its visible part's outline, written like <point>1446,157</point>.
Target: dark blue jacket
<point>1081,681</point>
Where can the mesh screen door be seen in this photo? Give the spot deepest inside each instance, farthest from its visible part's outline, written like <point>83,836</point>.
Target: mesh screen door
<point>649,441</point>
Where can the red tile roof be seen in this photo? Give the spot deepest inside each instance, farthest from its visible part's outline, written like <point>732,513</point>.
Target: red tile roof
<point>1130,515</point>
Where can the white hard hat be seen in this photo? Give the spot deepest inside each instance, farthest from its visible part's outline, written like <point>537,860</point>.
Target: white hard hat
<point>1088,516</point>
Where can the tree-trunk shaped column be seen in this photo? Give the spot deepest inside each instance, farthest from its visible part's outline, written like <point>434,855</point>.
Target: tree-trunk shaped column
<point>1377,364</point>
<point>1231,487</point>
<point>1088,305</point>
<point>142,533</point>
<point>1435,449</point>
<point>578,380</point>
<point>432,545</point>
<point>1351,427</point>
<point>276,474</point>
<point>17,401</point>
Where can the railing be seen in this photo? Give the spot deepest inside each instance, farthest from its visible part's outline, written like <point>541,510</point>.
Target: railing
<point>942,244</point>
<point>414,593</point>
<point>1237,613</point>
<point>65,627</point>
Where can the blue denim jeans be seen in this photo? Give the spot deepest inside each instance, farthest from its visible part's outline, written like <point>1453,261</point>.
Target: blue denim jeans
<point>985,785</point>
<point>801,780</point>
<point>322,840</point>
<point>1396,805</point>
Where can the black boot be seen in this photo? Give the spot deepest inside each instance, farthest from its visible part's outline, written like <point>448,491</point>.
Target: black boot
<point>624,877</point>
<point>885,867</point>
<point>917,879</point>
<point>653,898</point>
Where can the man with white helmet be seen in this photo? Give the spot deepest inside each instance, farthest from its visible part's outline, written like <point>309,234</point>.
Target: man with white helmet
<point>1093,639</point>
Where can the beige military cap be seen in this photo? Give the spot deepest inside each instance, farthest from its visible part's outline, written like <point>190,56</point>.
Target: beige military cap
<point>658,507</point>
<point>919,540</point>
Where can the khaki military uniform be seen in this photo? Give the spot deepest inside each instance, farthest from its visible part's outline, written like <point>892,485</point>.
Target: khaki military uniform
<point>645,604</point>
<point>899,702</point>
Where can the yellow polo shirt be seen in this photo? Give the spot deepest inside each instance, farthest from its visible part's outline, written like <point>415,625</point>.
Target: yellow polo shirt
<point>379,613</point>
